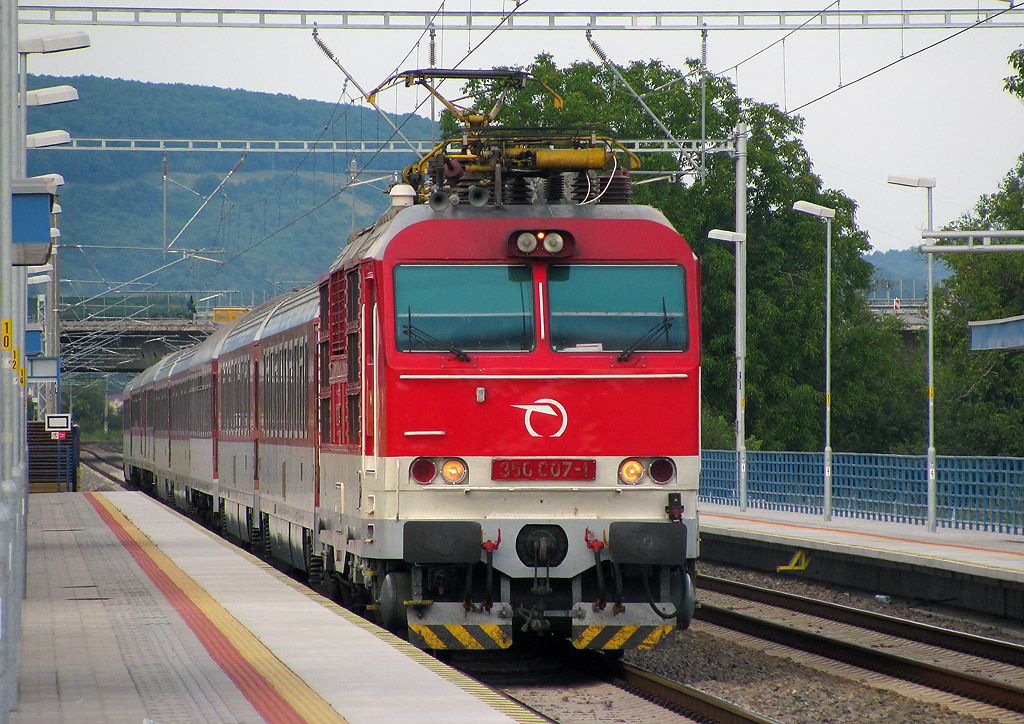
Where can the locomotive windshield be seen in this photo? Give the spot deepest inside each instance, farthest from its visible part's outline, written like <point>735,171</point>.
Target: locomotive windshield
<point>463,308</point>
<point>624,309</point>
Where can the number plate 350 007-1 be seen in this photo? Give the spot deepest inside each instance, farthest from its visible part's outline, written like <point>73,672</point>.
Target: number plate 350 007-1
<point>521,469</point>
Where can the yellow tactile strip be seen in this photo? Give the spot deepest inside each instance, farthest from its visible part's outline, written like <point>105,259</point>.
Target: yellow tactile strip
<point>494,699</point>
<point>273,689</point>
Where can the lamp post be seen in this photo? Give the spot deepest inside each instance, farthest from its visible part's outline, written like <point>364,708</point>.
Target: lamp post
<point>928,184</point>
<point>52,43</point>
<point>8,383</point>
<point>824,212</point>
<point>740,240</point>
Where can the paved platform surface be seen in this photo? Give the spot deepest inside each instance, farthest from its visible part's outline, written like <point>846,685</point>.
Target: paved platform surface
<point>978,553</point>
<point>135,614</point>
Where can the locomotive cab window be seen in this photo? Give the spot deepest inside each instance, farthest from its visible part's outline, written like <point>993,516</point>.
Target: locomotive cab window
<point>463,308</point>
<point>624,309</point>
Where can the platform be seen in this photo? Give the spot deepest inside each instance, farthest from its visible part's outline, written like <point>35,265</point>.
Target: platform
<point>136,614</point>
<point>977,570</point>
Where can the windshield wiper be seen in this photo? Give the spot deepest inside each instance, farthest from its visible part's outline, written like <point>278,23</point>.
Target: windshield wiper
<point>415,333</point>
<point>650,335</point>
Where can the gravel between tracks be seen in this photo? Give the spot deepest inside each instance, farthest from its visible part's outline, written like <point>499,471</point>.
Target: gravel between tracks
<point>788,691</point>
<point>91,481</point>
<point>779,688</point>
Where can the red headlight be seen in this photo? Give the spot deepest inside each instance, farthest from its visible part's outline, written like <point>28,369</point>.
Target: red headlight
<point>423,470</point>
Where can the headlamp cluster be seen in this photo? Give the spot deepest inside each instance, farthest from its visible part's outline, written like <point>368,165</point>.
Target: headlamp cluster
<point>425,471</point>
<point>633,471</point>
<point>541,243</point>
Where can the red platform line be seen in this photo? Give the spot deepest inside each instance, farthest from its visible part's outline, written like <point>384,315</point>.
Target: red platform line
<point>267,701</point>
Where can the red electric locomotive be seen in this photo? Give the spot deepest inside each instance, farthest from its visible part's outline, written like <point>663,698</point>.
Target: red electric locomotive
<point>483,422</point>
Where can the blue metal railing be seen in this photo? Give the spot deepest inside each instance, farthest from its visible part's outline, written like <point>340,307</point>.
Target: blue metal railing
<point>978,493</point>
<point>880,487</point>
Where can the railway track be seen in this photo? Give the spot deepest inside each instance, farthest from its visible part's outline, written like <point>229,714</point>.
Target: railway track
<point>974,667</point>
<point>104,459</point>
<point>563,684</point>
<point>686,698</point>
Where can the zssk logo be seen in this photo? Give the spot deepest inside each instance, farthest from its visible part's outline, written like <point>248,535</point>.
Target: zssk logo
<point>548,407</point>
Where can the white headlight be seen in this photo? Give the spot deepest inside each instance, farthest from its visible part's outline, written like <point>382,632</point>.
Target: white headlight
<point>526,242</point>
<point>554,243</point>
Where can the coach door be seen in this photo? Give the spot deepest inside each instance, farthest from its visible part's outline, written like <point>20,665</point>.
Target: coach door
<point>257,418</point>
<point>370,338</point>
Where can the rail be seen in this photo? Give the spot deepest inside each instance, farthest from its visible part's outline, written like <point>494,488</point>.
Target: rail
<point>964,678</point>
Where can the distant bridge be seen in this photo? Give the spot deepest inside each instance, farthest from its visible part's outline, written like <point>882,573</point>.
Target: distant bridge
<point>127,345</point>
<point>128,332</point>
<point>912,312</point>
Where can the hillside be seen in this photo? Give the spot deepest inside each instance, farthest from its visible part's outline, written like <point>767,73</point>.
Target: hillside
<point>275,219</point>
<point>904,273</point>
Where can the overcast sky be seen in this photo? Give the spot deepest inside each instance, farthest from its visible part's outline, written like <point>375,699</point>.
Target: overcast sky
<point>942,113</point>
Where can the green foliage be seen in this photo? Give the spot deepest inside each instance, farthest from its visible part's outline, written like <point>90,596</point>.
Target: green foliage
<point>786,256</point>
<point>715,432</point>
<point>980,395</point>
<point>1014,84</point>
<point>86,404</point>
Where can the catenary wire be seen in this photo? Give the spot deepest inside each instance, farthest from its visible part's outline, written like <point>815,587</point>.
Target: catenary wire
<point>366,164</point>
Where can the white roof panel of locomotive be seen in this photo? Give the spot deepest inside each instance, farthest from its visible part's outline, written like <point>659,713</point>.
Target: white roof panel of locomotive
<point>373,241</point>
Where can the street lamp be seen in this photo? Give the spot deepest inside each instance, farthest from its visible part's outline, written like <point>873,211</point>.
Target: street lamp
<point>928,184</point>
<point>824,212</point>
<point>50,43</point>
<point>740,240</point>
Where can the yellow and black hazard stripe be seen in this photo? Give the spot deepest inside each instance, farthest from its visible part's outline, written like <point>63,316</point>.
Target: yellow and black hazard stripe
<point>618,637</point>
<point>461,636</point>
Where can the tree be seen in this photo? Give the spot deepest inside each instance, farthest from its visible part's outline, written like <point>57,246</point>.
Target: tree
<point>1015,83</point>
<point>86,403</point>
<point>980,394</point>
<point>786,258</point>
<point>979,405</point>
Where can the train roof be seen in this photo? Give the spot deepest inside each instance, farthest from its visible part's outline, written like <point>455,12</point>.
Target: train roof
<point>279,314</point>
<point>158,371</point>
<point>299,308</point>
<point>373,241</point>
<point>247,328</point>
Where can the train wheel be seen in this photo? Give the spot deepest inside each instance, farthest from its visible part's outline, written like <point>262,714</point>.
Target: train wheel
<point>315,569</point>
<point>394,592</point>
<point>268,550</point>
<point>329,586</point>
<point>347,593</point>
<point>255,539</point>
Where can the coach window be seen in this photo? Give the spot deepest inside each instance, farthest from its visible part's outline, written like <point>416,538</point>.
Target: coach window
<point>468,308</point>
<point>635,308</point>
